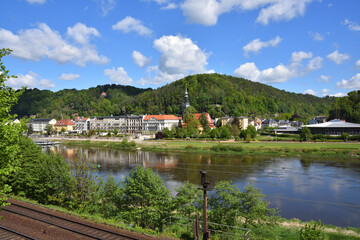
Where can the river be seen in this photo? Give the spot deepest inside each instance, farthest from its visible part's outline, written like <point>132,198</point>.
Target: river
<point>301,187</point>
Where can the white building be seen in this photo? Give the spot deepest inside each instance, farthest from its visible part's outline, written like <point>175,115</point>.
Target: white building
<point>156,123</point>
<point>124,124</point>
<point>82,124</point>
<point>39,125</point>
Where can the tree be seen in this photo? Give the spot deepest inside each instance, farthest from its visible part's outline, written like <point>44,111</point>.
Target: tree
<point>116,131</point>
<point>10,134</point>
<point>252,131</point>
<point>83,172</point>
<point>63,130</point>
<point>188,200</point>
<point>229,204</point>
<point>305,134</point>
<point>180,132</point>
<point>204,121</point>
<point>30,129</point>
<point>41,177</point>
<point>166,132</point>
<point>145,198</point>
<point>224,132</point>
<point>49,129</point>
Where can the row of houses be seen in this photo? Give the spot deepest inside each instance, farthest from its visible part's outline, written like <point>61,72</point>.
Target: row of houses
<point>127,124</point>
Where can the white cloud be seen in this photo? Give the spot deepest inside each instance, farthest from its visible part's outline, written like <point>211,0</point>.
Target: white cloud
<point>310,91</point>
<point>118,75</point>
<point>323,78</point>
<point>140,59</point>
<point>41,42</point>
<point>325,92</point>
<point>30,80</point>
<point>318,37</point>
<point>357,64</point>
<point>36,1</point>
<point>157,1</point>
<point>353,26</point>
<point>280,73</point>
<point>81,33</point>
<point>106,6</point>
<point>297,57</point>
<point>314,64</point>
<point>283,10</point>
<point>179,58</point>
<point>130,24</point>
<point>256,45</point>
<point>68,76</point>
<point>337,57</point>
<point>180,55</point>
<point>353,83</point>
<point>338,95</point>
<point>169,6</point>
<point>207,12</point>
<point>159,77</point>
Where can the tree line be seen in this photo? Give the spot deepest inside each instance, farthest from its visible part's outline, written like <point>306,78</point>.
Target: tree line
<point>219,95</point>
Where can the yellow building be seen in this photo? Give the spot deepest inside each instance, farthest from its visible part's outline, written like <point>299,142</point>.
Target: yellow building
<point>66,124</point>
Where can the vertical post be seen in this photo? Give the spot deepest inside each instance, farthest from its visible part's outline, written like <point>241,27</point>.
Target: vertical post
<point>204,183</point>
<point>196,228</point>
<point>205,215</point>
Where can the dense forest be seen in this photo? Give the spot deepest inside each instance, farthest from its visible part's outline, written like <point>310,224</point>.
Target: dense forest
<point>217,94</point>
<point>347,108</point>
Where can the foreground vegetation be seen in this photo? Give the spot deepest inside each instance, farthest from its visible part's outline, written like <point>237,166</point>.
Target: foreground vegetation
<point>141,202</point>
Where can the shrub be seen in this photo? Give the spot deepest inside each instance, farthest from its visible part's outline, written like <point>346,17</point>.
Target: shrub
<point>313,231</point>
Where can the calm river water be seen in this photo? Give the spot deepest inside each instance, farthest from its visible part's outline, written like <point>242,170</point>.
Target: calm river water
<point>302,188</point>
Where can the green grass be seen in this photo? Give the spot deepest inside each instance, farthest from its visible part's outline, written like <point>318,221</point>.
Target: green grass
<point>258,148</point>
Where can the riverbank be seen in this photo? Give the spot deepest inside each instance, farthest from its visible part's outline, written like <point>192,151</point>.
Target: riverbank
<point>288,149</point>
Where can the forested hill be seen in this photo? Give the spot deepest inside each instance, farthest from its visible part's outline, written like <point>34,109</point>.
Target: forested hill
<point>217,94</point>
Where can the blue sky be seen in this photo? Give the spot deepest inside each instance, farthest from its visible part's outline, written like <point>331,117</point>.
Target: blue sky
<point>302,46</point>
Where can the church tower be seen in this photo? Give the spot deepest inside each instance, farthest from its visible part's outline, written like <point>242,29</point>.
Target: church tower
<point>186,101</point>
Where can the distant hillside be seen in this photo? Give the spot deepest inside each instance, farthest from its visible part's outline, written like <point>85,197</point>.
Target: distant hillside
<point>217,94</point>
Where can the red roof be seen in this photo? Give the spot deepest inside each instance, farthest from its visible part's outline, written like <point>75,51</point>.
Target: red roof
<point>80,119</point>
<point>197,115</point>
<point>211,123</point>
<point>64,122</point>
<point>162,117</point>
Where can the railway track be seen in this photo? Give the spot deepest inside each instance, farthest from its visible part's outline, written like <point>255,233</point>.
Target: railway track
<point>83,229</point>
<point>9,234</point>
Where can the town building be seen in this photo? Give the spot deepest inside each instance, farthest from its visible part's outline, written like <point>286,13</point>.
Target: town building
<point>65,124</point>
<point>156,123</point>
<point>82,125</point>
<point>211,123</point>
<point>269,123</point>
<point>127,124</point>
<point>318,119</point>
<point>243,121</point>
<point>39,125</point>
<point>335,127</point>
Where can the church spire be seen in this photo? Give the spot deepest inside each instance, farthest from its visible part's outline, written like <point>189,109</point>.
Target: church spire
<point>186,101</point>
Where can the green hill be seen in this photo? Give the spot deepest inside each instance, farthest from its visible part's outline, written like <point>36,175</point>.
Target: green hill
<point>217,94</point>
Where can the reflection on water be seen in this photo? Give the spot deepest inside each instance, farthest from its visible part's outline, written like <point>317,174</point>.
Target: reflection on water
<point>301,188</point>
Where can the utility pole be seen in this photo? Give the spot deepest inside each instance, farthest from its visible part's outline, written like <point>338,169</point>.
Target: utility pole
<point>205,184</point>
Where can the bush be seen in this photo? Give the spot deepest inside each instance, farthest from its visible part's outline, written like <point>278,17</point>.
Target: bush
<point>313,232</point>
<point>145,200</point>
